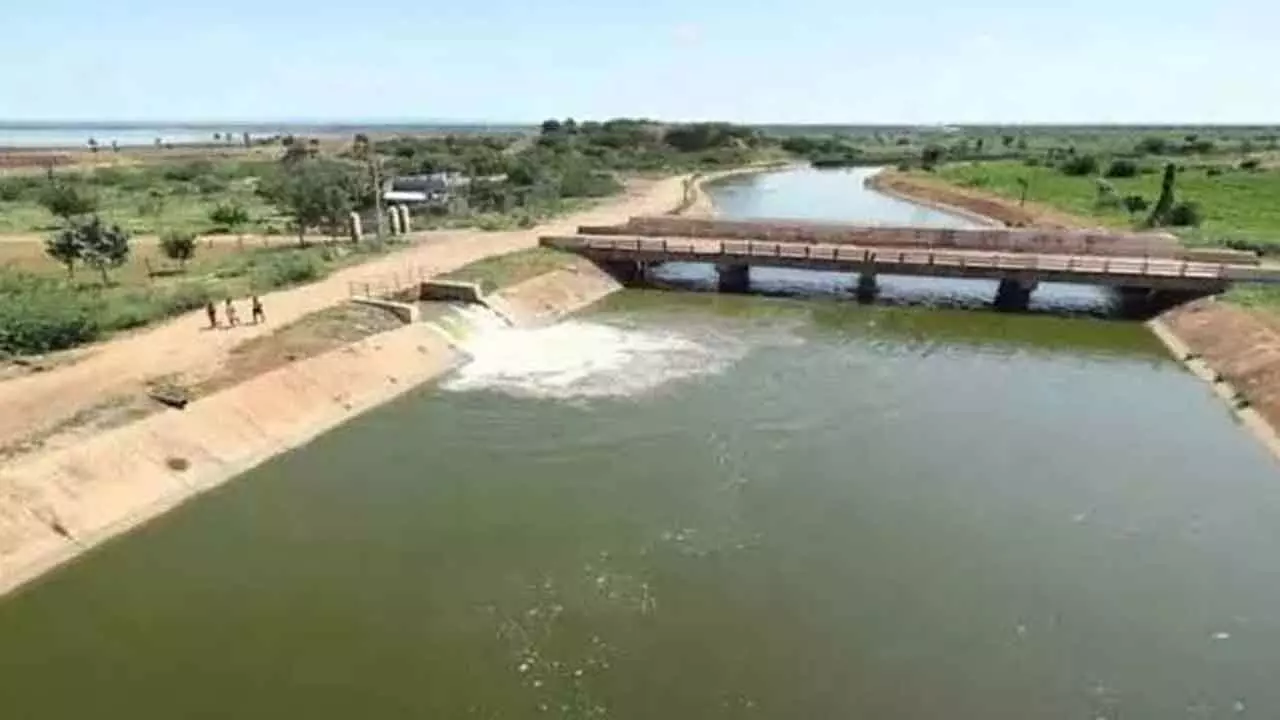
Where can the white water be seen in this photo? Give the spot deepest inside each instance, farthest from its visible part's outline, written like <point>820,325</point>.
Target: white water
<point>578,359</point>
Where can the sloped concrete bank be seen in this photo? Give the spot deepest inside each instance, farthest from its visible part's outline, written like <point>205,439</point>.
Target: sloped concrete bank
<point>57,506</point>
<point>1234,350</point>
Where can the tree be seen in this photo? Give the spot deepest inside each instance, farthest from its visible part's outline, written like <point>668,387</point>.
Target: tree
<point>217,137</point>
<point>1080,165</point>
<point>1122,168</point>
<point>1022,143</point>
<point>1164,203</point>
<point>98,246</point>
<point>930,157</point>
<point>230,216</point>
<point>93,145</point>
<point>64,248</point>
<point>1007,140</point>
<point>1184,214</point>
<point>67,201</point>
<point>977,145</point>
<point>180,246</point>
<point>315,192</point>
<point>551,127</point>
<point>1153,145</point>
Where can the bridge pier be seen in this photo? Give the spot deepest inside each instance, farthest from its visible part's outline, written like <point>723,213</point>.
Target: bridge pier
<point>733,277</point>
<point>867,288</point>
<point>1014,294</point>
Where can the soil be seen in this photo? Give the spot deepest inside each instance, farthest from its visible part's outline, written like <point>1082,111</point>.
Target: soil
<point>1241,345</point>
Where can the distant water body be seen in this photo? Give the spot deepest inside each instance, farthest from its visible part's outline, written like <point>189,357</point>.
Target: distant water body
<point>77,135</point>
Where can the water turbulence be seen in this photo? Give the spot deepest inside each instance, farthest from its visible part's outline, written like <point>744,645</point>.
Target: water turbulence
<point>576,359</point>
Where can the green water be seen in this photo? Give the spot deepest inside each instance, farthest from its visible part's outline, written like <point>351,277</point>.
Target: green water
<point>699,506</point>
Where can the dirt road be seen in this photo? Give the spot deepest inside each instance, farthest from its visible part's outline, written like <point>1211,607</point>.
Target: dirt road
<point>34,404</point>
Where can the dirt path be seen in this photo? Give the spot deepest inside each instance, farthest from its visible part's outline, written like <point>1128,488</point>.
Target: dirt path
<point>36,403</point>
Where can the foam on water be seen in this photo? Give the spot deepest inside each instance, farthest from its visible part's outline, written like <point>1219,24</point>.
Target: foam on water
<point>581,359</point>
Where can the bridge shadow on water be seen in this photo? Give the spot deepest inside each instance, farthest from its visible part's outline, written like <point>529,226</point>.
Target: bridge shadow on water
<point>1057,299</point>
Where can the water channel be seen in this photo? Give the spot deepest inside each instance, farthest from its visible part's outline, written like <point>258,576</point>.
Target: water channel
<point>689,506</point>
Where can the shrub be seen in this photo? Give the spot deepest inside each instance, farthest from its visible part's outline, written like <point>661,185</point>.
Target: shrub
<point>67,201</point>
<point>180,246</point>
<point>1032,162</point>
<point>1184,214</point>
<point>1250,164</point>
<point>1135,203</point>
<point>1080,165</point>
<point>1212,171</point>
<point>185,297</point>
<point>1152,146</point>
<point>285,270</point>
<point>1122,168</point>
<point>39,315</point>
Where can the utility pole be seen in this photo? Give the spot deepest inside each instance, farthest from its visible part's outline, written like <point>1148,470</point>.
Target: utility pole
<point>366,147</point>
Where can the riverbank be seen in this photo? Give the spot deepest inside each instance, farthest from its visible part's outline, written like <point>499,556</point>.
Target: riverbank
<point>971,203</point>
<point>698,203</point>
<point>57,503</point>
<point>1235,350</point>
<point>60,504</point>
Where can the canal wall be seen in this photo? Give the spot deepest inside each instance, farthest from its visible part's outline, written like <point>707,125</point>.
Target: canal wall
<point>1237,352</point>
<point>60,504</point>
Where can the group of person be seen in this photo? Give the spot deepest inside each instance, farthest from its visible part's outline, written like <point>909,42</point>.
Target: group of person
<point>233,319</point>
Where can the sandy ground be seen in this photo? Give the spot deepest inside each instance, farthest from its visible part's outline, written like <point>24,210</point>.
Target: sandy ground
<point>36,403</point>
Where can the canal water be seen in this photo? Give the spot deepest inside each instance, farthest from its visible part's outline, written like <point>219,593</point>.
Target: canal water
<point>692,506</point>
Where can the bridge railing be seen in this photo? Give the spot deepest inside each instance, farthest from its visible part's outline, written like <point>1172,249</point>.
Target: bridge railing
<point>707,249</point>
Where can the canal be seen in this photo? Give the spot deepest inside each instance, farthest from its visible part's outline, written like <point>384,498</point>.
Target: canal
<point>692,506</point>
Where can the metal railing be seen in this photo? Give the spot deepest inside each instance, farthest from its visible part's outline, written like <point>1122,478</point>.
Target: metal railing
<point>991,260</point>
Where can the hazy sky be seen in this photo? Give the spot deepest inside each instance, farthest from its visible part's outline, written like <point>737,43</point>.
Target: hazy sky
<point>745,60</point>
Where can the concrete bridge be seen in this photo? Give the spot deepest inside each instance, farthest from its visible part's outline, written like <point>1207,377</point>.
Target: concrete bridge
<point>1151,269</point>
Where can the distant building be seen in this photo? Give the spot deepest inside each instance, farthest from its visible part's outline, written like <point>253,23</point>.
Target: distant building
<point>440,189</point>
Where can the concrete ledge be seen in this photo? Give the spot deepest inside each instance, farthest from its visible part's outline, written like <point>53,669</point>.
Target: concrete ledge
<point>408,313</point>
<point>451,291</point>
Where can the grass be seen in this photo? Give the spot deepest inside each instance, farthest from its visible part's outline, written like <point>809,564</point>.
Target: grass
<point>43,310</point>
<point>505,270</point>
<point>1238,205</point>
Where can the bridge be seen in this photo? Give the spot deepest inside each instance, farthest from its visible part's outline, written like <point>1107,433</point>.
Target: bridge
<point>1146,267</point>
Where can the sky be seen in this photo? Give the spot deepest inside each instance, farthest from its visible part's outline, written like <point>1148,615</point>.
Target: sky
<point>819,61</point>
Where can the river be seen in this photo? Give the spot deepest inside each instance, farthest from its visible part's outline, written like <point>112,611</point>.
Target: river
<point>690,506</point>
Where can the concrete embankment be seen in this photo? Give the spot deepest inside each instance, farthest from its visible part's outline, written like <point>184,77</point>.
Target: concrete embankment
<point>1237,352</point>
<point>56,506</point>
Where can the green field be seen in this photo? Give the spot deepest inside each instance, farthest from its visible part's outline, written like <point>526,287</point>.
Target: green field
<point>1238,206</point>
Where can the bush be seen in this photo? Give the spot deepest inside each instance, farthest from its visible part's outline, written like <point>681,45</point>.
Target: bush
<point>1153,146</point>
<point>185,297</point>
<point>1184,214</point>
<point>39,315</point>
<point>180,246</point>
<point>1080,166</point>
<point>286,270</point>
<point>1212,171</point>
<point>1250,164</point>
<point>1032,162</point>
<point>1135,203</point>
<point>1122,169</point>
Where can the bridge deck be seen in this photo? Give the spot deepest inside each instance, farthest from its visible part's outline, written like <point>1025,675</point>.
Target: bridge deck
<point>1094,269</point>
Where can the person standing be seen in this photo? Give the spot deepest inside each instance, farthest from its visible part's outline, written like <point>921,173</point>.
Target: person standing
<point>232,320</point>
<point>212,312</point>
<point>259,315</point>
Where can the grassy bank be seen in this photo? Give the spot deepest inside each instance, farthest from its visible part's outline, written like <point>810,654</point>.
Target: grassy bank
<point>1238,207</point>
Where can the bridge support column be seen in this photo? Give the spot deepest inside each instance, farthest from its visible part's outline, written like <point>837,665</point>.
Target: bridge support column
<point>734,278</point>
<point>867,288</point>
<point>1014,294</point>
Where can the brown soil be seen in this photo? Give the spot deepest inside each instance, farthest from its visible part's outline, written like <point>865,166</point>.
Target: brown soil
<point>307,337</point>
<point>932,190</point>
<point>1241,345</point>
